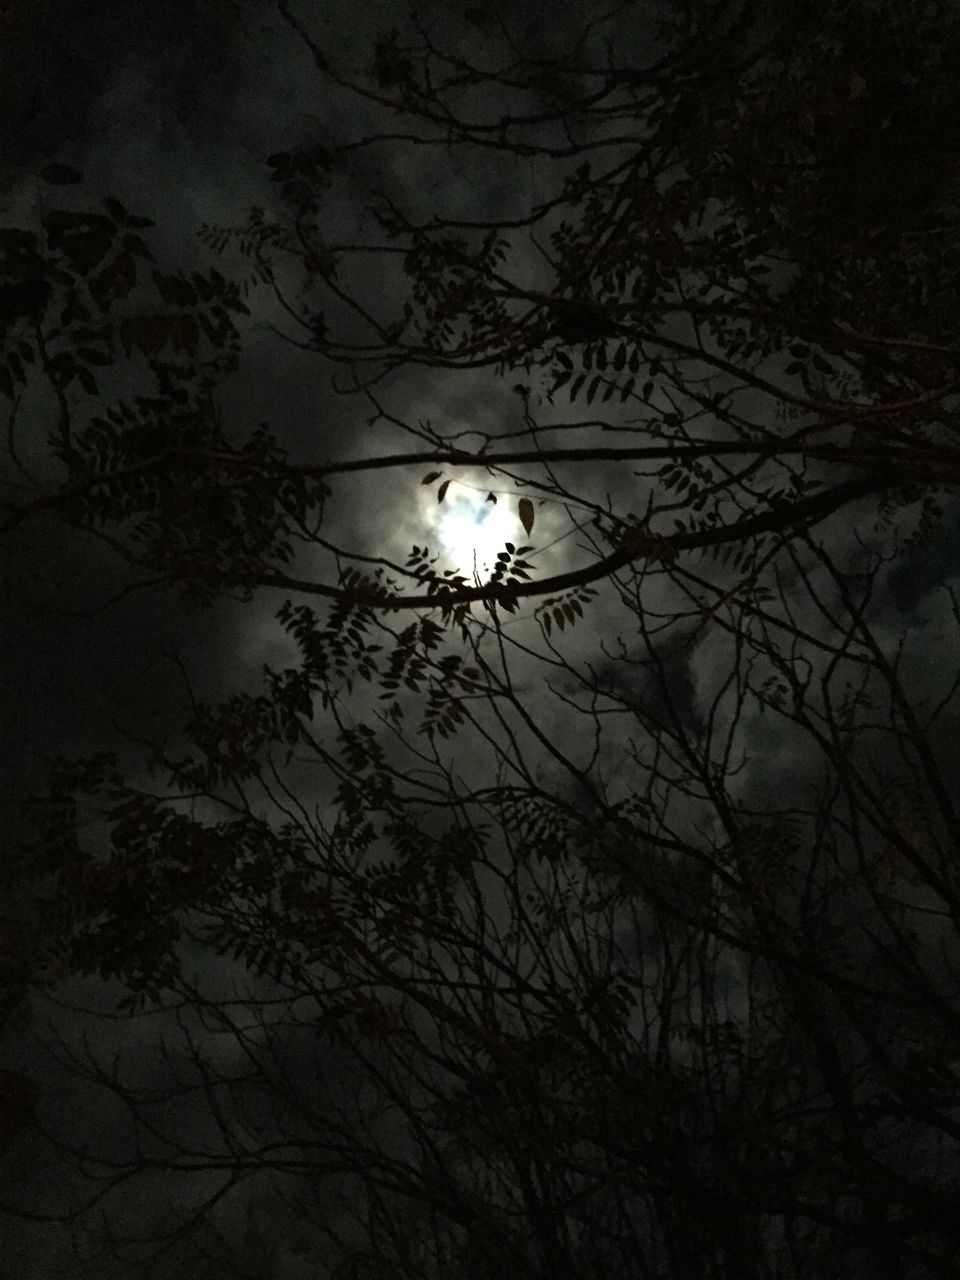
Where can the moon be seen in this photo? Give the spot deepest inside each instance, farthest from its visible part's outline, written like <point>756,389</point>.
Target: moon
<point>472,531</point>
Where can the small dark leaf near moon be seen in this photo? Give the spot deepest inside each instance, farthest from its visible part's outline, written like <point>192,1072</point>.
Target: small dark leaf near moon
<point>60,175</point>
<point>578,321</point>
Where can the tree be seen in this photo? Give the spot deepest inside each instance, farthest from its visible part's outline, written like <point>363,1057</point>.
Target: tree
<point>606,995</point>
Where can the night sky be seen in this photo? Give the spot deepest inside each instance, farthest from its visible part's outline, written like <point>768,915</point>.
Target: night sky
<point>173,107</point>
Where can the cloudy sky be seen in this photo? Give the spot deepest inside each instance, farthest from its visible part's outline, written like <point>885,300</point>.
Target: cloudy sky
<point>173,106</point>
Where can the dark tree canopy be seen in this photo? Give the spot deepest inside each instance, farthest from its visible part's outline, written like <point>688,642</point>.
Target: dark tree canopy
<point>616,882</point>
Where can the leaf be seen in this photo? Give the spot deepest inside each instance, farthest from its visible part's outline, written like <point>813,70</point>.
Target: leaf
<point>93,357</point>
<point>151,333</point>
<point>525,511</point>
<point>114,281</point>
<point>175,290</point>
<point>442,491</point>
<point>431,476</point>
<point>116,210</point>
<point>84,238</point>
<point>60,175</point>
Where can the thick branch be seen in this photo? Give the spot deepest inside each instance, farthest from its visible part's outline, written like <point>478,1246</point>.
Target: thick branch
<point>636,545</point>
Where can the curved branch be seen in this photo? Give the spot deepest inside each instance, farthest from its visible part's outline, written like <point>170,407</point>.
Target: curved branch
<point>637,544</point>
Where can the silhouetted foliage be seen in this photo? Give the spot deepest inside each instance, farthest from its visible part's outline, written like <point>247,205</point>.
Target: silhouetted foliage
<point>634,950</point>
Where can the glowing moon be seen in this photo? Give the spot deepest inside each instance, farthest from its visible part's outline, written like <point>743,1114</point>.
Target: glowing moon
<point>472,529</point>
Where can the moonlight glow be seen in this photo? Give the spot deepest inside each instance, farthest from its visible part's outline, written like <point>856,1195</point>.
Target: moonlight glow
<point>470,527</point>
